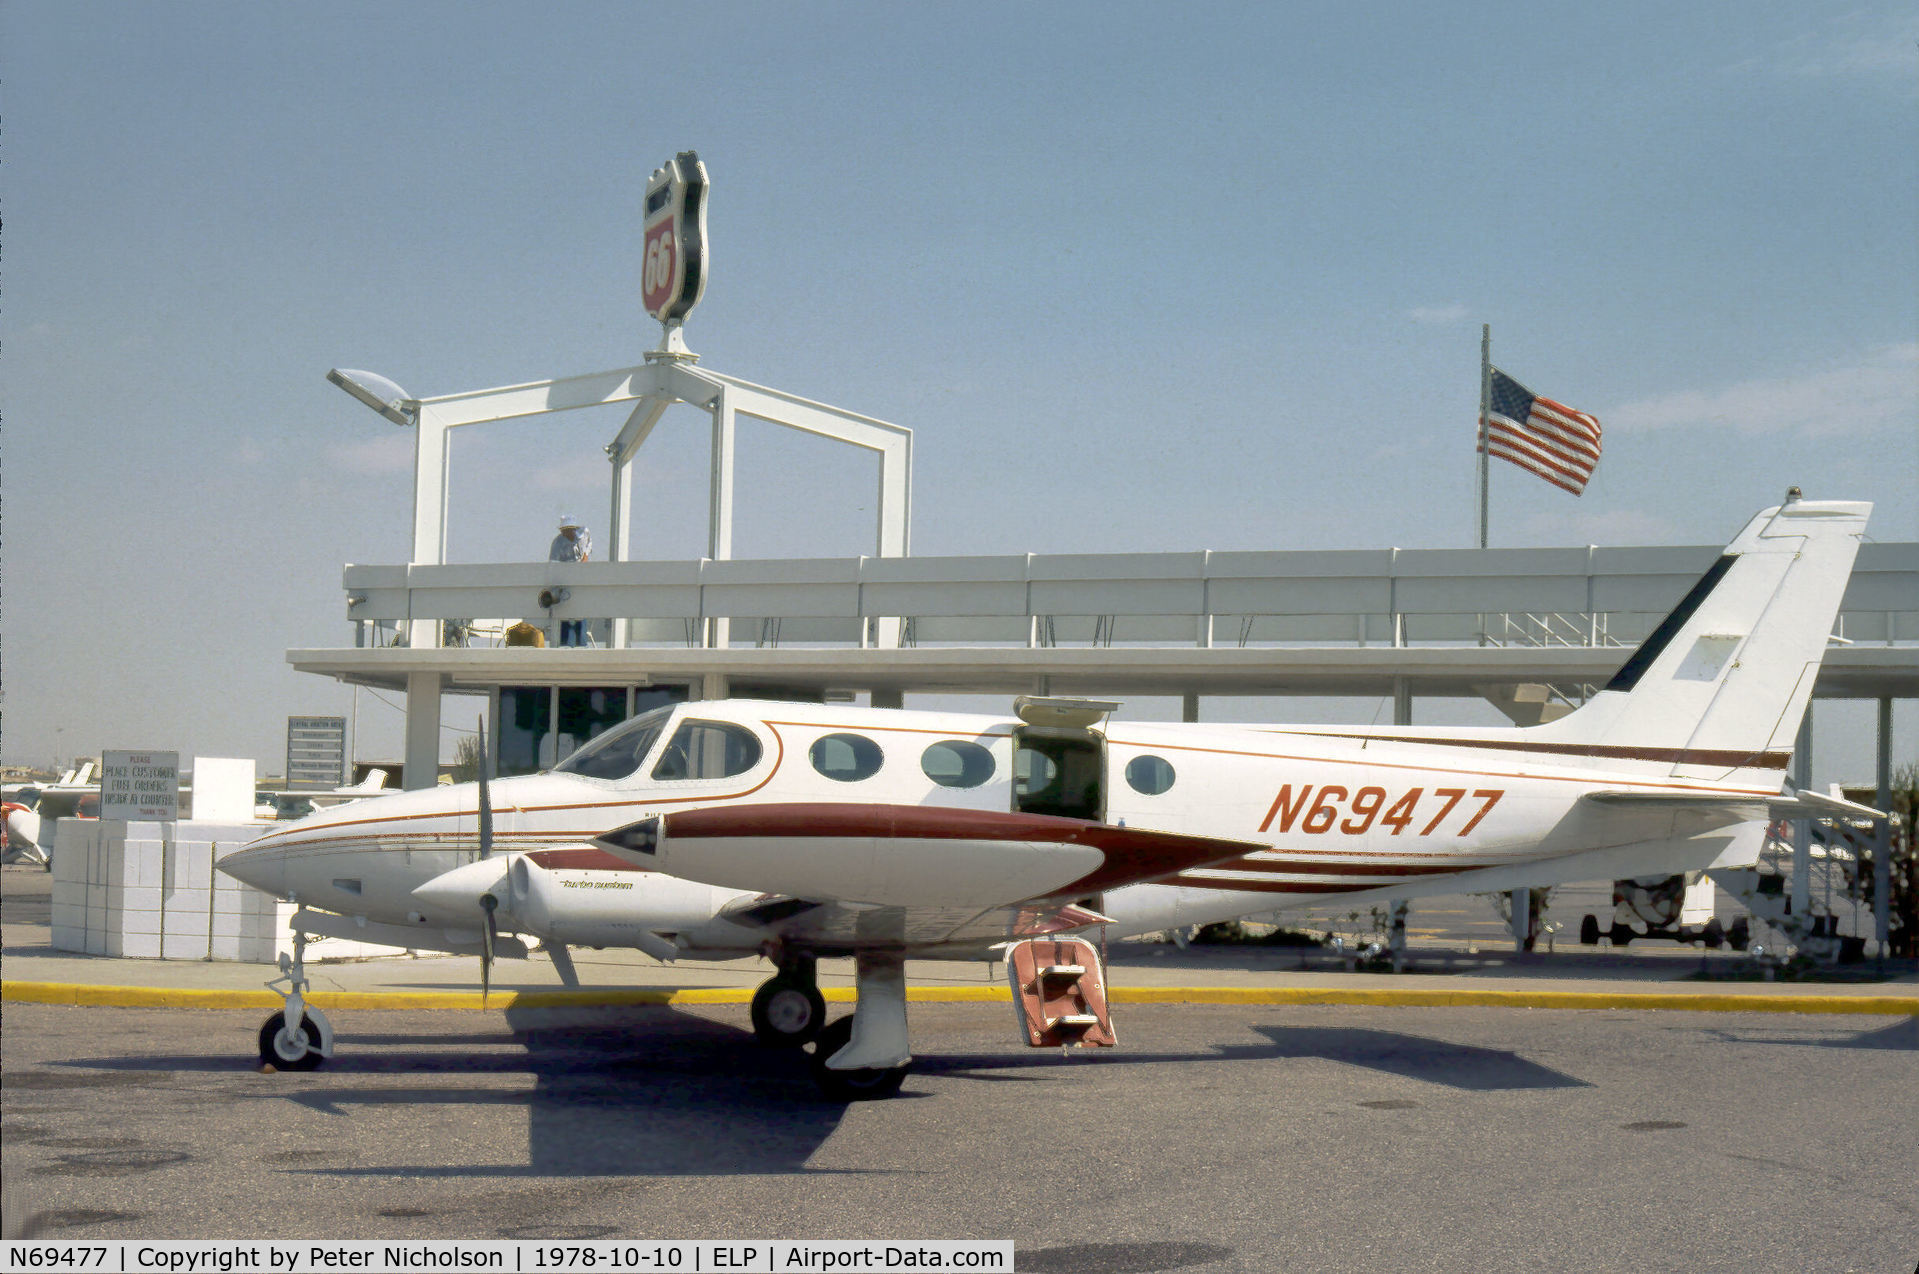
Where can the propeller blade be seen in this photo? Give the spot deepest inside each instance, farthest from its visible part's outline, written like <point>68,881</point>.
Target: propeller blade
<point>488,905</point>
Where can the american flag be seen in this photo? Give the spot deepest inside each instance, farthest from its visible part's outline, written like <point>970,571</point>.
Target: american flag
<point>1541,436</point>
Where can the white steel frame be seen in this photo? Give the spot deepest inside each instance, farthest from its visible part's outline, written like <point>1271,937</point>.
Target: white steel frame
<point>667,376</point>
<point>655,385</point>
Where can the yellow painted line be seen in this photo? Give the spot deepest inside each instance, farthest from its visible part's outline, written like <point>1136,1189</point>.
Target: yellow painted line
<point>1756,1001</point>
<point>1436,997</point>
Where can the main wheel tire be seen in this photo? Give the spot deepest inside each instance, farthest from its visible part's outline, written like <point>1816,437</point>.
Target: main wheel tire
<point>1589,931</point>
<point>276,1049</point>
<point>1715,934</point>
<point>1739,937</point>
<point>859,1085</point>
<point>788,1012</point>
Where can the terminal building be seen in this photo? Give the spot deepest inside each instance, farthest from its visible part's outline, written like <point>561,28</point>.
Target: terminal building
<point>1530,630</point>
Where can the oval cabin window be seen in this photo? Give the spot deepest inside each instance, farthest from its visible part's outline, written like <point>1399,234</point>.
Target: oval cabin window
<point>846,758</point>
<point>1149,775</point>
<point>957,763</point>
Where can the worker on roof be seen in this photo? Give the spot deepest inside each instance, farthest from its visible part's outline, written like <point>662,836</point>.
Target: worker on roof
<point>574,543</point>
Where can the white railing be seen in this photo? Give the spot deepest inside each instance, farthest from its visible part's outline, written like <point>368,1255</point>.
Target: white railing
<point>1580,597</point>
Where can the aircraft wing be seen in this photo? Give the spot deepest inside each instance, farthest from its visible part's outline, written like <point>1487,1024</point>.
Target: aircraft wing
<point>836,928</point>
<point>908,856</point>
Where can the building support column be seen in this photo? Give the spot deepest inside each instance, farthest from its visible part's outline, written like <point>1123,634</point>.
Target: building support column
<point>715,685</point>
<point>719,537</point>
<point>1801,888</point>
<point>893,698</point>
<point>1400,908</point>
<point>430,461</point>
<point>1882,833</point>
<point>423,729</point>
<point>1189,708</point>
<point>1522,924</point>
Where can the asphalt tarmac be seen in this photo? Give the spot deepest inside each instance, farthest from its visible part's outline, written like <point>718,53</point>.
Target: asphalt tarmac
<point>1217,1137</point>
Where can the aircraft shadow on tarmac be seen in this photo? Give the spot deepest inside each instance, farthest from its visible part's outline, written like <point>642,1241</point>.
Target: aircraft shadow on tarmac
<point>1462,1066</point>
<point>1902,1034</point>
<point>657,1092</point>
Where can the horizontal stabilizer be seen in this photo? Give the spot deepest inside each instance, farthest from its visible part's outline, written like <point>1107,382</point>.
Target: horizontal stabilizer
<point>1810,804</point>
<point>1804,804</point>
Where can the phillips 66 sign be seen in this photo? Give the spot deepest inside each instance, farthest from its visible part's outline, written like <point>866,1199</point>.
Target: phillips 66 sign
<point>674,277</point>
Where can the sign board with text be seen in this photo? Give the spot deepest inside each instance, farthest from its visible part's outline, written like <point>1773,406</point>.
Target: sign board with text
<point>140,786</point>
<point>673,274</point>
<point>316,753</point>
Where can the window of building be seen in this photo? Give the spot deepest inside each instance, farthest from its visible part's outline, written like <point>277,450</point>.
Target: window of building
<point>1149,775</point>
<point>847,758</point>
<point>541,724</point>
<point>526,719</point>
<point>708,750</point>
<point>586,712</point>
<point>957,763</point>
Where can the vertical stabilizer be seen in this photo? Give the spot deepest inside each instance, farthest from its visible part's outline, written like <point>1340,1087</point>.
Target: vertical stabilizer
<point>1721,684</point>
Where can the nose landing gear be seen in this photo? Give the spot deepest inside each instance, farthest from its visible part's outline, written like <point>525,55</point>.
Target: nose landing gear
<point>298,1038</point>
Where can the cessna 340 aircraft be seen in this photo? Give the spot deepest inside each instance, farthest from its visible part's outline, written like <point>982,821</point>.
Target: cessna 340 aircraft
<point>714,830</point>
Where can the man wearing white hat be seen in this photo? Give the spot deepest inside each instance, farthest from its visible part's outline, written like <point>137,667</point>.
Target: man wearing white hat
<point>573,544</point>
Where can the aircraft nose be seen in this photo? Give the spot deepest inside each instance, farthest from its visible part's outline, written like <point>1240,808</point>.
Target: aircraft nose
<point>262,866</point>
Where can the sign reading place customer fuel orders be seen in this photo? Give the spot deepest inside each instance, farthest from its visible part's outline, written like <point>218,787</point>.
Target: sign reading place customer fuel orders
<point>140,786</point>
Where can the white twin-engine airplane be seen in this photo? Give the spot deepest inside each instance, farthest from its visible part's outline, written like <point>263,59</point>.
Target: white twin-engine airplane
<point>714,830</point>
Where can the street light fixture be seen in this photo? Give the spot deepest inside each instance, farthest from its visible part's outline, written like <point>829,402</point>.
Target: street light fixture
<point>377,392</point>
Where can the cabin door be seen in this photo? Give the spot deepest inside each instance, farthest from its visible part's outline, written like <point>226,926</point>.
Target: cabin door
<point>1060,772</point>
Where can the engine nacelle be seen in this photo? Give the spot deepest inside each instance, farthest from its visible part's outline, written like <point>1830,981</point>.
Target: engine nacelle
<point>588,908</point>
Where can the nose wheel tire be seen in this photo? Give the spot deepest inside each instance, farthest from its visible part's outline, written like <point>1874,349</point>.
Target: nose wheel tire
<point>788,1012</point>
<point>858,1085</point>
<point>287,1052</point>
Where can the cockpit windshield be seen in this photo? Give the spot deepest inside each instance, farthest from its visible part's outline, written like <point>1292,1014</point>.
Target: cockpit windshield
<point>618,753</point>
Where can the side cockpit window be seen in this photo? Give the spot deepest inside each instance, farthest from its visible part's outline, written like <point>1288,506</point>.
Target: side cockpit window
<point>708,750</point>
<point>618,752</point>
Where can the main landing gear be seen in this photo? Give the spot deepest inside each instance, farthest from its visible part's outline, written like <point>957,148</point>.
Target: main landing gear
<point>856,1058</point>
<point>866,1083</point>
<point>788,1009</point>
<point>298,1038</point>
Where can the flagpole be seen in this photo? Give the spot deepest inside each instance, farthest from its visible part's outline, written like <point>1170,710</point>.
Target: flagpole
<point>1485,407</point>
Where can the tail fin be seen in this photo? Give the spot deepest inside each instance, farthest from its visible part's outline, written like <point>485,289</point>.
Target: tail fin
<point>1722,683</point>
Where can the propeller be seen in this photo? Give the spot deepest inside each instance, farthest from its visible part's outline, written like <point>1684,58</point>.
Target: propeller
<point>486,799</point>
<point>488,905</point>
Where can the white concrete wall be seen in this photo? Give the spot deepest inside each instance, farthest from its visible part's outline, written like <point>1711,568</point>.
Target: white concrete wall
<point>149,891</point>
<point>222,789</point>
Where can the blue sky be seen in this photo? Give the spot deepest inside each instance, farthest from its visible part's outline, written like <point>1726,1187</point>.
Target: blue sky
<point>1223,268</point>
